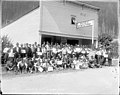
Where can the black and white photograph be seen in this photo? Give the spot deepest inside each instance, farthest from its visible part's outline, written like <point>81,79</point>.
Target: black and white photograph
<point>60,47</point>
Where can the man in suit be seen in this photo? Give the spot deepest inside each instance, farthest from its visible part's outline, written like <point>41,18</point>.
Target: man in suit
<point>28,51</point>
<point>23,51</point>
<point>17,51</point>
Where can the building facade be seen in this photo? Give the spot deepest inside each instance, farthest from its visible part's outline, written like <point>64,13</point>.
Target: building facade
<point>57,22</point>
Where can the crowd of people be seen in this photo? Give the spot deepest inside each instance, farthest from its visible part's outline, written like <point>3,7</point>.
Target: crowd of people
<point>49,57</point>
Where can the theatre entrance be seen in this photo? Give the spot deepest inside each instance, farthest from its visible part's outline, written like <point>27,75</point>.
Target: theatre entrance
<point>72,41</point>
<point>64,40</point>
<point>51,39</point>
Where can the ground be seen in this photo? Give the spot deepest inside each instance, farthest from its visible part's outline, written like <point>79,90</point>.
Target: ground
<point>89,81</point>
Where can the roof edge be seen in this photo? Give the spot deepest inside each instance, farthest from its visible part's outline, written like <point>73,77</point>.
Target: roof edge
<point>84,4</point>
<point>2,26</point>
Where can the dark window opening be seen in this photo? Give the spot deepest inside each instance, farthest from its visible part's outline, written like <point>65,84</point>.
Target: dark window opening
<point>73,20</point>
<point>72,42</point>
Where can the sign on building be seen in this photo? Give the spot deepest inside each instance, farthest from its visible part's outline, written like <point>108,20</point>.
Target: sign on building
<point>84,24</point>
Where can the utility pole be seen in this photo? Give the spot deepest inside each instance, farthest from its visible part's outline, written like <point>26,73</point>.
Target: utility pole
<point>92,32</point>
<point>40,25</point>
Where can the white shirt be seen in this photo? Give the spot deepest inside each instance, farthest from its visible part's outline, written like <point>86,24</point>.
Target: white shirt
<point>63,51</point>
<point>11,54</point>
<point>6,50</point>
<point>59,62</point>
<point>23,51</point>
<point>78,49</point>
<point>105,54</point>
<point>43,50</point>
<point>54,50</point>
<point>98,52</point>
<point>59,50</point>
<point>17,48</point>
<point>47,47</point>
<point>83,51</point>
<point>75,62</point>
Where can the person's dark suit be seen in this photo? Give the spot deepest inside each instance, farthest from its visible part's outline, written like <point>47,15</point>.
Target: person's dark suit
<point>17,53</point>
<point>110,58</point>
<point>28,52</point>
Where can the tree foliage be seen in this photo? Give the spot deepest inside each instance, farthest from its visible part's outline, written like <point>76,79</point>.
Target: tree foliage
<point>114,49</point>
<point>6,41</point>
<point>105,40</point>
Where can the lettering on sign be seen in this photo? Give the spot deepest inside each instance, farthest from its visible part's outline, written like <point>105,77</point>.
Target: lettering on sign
<point>84,24</point>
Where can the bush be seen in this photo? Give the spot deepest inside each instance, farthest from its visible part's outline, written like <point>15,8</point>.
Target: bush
<point>6,41</point>
<point>105,40</point>
<point>114,49</point>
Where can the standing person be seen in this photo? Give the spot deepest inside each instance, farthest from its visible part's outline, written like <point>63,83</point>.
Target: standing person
<point>54,51</point>
<point>17,51</point>
<point>98,55</point>
<point>5,53</point>
<point>11,54</point>
<point>64,51</point>
<point>23,51</point>
<point>77,50</point>
<point>28,51</point>
<point>39,51</point>
<point>109,57</point>
<point>35,44</point>
<point>105,56</point>
<point>34,50</point>
<point>48,49</point>
<point>44,51</point>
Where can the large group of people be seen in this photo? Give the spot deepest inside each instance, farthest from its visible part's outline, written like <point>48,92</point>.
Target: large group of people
<point>48,57</point>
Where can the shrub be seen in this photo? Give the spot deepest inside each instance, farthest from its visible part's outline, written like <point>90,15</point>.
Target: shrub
<point>6,41</point>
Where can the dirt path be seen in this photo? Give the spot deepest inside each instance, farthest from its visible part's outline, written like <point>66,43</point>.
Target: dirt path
<point>90,81</point>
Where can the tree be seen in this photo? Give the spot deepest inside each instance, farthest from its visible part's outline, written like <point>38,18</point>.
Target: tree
<point>105,40</point>
<point>115,47</point>
<point>6,41</point>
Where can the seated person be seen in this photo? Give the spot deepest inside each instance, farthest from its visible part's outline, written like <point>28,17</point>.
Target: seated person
<point>91,62</point>
<point>85,63</point>
<point>64,62</point>
<point>9,66</point>
<point>76,63</point>
<point>70,61</point>
<point>52,62</point>
<point>44,64</point>
<point>49,66</point>
<point>59,63</point>
<point>37,65</point>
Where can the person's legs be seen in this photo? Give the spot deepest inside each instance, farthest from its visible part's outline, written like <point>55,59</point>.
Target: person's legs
<point>109,61</point>
<point>5,57</point>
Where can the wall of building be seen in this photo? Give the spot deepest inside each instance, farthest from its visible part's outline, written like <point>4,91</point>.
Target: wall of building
<point>57,19</point>
<point>25,29</point>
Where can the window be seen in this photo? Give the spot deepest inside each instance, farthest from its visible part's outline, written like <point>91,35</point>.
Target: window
<point>73,20</point>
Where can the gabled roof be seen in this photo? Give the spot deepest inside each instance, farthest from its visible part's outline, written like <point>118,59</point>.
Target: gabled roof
<point>84,4</point>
